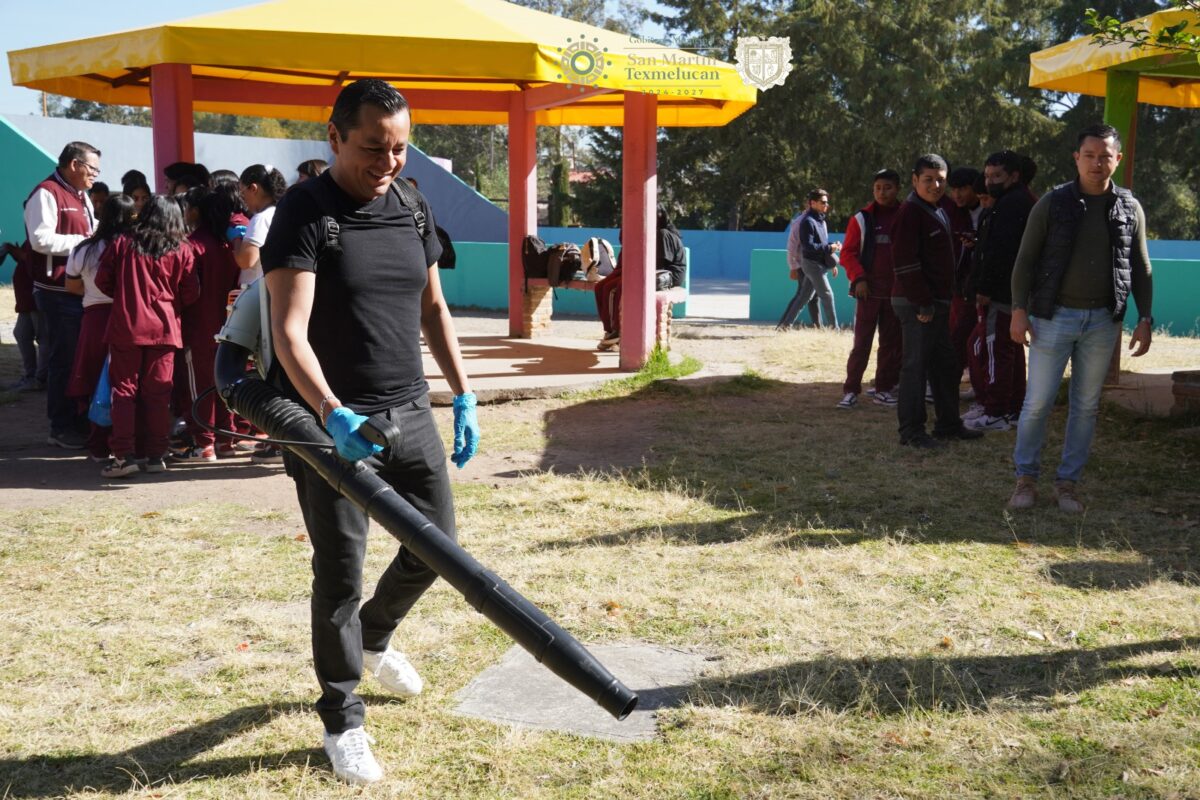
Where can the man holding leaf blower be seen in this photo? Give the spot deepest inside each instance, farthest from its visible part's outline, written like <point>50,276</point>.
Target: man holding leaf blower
<point>350,264</point>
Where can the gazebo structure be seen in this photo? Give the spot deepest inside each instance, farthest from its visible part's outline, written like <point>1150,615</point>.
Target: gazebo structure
<point>458,62</point>
<point>1124,75</point>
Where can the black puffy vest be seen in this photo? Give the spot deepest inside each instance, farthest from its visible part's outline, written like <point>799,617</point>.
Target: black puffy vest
<point>1066,214</point>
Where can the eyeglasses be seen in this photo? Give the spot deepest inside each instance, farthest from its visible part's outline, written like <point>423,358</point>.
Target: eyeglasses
<point>93,171</point>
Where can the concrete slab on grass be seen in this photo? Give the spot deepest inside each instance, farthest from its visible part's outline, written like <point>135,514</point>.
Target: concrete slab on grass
<point>521,691</point>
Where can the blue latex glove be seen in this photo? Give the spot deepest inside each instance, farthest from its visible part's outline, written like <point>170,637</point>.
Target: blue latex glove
<point>466,429</point>
<point>343,424</point>
<point>235,232</point>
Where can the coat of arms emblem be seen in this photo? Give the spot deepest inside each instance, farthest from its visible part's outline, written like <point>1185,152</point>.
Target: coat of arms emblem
<point>764,62</point>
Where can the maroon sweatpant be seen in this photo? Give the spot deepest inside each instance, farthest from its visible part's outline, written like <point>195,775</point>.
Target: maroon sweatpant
<point>870,313</point>
<point>209,410</point>
<point>608,302</point>
<point>90,353</point>
<point>997,364</point>
<point>963,318</point>
<point>140,373</point>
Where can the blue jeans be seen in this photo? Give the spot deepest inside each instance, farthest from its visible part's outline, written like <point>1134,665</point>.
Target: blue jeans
<point>63,314</point>
<point>1087,338</point>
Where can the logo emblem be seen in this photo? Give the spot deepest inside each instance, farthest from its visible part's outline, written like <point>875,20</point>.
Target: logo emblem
<point>583,62</point>
<point>764,62</point>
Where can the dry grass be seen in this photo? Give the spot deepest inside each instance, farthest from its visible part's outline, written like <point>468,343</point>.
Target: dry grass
<point>881,628</point>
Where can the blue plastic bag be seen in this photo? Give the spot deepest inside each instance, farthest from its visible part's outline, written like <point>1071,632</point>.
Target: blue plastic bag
<point>100,410</point>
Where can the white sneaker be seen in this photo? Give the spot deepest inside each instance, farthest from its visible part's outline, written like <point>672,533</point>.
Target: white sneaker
<point>394,672</point>
<point>350,754</point>
<point>986,422</point>
<point>886,399</point>
<point>976,410</point>
<point>849,401</point>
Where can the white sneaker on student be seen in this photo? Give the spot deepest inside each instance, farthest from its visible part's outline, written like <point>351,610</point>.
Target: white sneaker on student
<point>986,422</point>
<point>975,410</point>
<point>394,672</point>
<point>849,401</point>
<point>886,399</point>
<point>350,754</point>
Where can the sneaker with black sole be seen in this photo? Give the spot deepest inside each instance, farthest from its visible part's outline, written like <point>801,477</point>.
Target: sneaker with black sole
<point>350,755</point>
<point>923,441</point>
<point>196,455</point>
<point>267,454</point>
<point>886,399</point>
<point>850,400</point>
<point>120,468</point>
<point>67,440</point>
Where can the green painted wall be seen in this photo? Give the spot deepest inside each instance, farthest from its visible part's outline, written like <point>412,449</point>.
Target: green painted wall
<point>23,165</point>
<point>771,289</point>
<point>1176,292</point>
<point>480,280</point>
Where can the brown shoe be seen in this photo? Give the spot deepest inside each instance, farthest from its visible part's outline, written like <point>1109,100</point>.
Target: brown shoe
<point>1025,495</point>
<point>1068,501</point>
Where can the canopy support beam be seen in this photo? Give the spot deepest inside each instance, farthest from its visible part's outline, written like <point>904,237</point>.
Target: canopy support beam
<point>171,117</point>
<point>639,198</point>
<point>554,95</point>
<point>522,203</point>
<point>1120,111</point>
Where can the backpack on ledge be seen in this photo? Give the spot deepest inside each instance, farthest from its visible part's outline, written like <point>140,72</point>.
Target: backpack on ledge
<point>565,263</point>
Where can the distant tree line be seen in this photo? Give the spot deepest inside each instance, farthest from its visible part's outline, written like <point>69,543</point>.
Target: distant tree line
<point>875,83</point>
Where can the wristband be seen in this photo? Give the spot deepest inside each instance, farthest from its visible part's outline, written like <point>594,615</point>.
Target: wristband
<point>321,410</point>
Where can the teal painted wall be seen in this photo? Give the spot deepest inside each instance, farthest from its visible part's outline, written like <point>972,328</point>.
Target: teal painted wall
<point>1176,292</point>
<point>1176,296</point>
<point>480,280</point>
<point>771,289</point>
<point>23,166</point>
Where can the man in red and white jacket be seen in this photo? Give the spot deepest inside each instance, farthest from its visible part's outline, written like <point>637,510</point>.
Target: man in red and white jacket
<point>867,257</point>
<point>58,216</point>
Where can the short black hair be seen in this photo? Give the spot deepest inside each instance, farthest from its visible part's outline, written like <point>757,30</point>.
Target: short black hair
<point>962,176</point>
<point>929,161</point>
<point>75,151</point>
<point>1100,131</point>
<point>886,175</point>
<point>1028,169</point>
<point>1004,158</point>
<point>367,91</point>
<point>99,186</point>
<point>980,185</point>
<point>817,194</point>
<point>182,170</point>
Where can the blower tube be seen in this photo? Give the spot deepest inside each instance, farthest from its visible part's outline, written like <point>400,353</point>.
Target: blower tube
<point>266,407</point>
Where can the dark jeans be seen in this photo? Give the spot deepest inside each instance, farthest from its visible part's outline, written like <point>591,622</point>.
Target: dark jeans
<point>338,532</point>
<point>928,355</point>
<point>64,315</point>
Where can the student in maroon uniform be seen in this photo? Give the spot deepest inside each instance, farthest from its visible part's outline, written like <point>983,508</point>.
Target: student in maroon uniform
<point>149,276</point>
<point>867,257</point>
<point>116,218</point>
<point>217,270</point>
<point>923,253</point>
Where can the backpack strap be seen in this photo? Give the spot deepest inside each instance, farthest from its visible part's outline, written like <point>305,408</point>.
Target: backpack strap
<point>410,197</point>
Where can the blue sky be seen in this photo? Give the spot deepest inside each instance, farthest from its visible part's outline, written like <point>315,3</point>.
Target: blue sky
<point>30,23</point>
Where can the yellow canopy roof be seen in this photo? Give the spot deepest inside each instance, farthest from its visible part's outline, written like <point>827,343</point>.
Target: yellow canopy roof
<point>457,62</point>
<point>1165,78</point>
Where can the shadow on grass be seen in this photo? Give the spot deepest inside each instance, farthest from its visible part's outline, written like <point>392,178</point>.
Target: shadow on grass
<point>785,463</point>
<point>941,684</point>
<point>161,761</point>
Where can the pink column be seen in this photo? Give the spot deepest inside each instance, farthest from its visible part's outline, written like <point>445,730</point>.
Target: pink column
<point>639,196</point>
<point>522,202</point>
<point>171,116</point>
